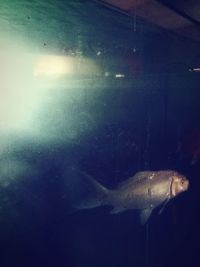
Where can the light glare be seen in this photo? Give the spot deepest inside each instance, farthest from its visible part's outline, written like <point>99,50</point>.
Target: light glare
<point>50,65</point>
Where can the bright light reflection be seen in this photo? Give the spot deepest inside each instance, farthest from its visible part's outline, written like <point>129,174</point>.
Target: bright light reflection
<point>29,106</point>
<point>24,96</point>
<point>51,65</point>
<point>19,95</point>
<point>57,66</point>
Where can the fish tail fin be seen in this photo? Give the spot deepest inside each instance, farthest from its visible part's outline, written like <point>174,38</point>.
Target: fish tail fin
<point>82,191</point>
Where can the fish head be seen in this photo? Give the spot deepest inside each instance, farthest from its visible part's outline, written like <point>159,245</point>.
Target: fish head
<point>179,184</point>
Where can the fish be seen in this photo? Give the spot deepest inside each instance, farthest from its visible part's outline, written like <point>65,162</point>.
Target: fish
<point>144,191</point>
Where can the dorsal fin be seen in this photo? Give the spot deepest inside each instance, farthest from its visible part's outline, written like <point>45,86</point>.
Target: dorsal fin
<point>136,178</point>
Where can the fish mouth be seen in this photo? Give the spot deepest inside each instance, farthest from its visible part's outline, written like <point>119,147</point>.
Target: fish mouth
<point>186,184</point>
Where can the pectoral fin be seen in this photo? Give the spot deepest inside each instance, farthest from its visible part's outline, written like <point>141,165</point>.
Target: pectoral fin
<point>144,215</point>
<point>164,205</point>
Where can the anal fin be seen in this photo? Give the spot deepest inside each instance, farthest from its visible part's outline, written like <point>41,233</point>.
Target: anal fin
<point>117,210</point>
<point>144,215</point>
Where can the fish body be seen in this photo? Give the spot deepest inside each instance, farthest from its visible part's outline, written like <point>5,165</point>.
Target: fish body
<point>144,191</point>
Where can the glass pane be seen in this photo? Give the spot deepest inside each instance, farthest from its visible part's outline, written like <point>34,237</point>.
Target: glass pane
<point>89,97</point>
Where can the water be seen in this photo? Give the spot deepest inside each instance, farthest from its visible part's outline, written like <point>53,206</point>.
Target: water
<point>106,126</point>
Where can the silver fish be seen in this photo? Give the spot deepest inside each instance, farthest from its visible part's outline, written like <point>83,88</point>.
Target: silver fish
<point>145,191</point>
